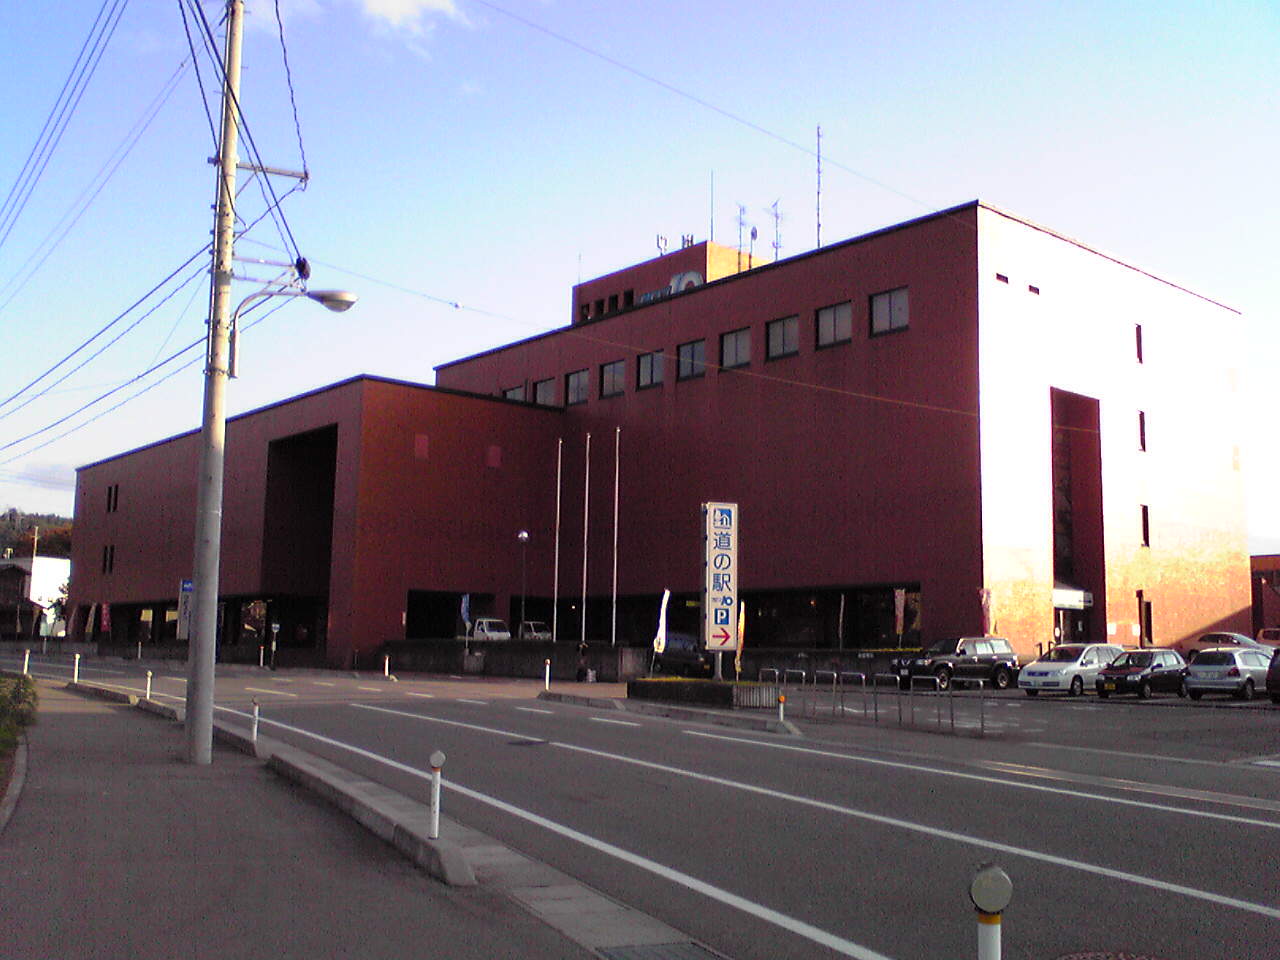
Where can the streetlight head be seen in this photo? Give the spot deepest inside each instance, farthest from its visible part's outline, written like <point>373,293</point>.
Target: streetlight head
<point>338,301</point>
<point>523,536</point>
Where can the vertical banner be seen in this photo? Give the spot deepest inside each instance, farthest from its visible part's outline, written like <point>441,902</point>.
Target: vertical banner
<point>466,612</point>
<point>720,599</point>
<point>899,610</point>
<point>985,596</point>
<point>742,636</point>
<point>660,638</point>
<point>185,591</point>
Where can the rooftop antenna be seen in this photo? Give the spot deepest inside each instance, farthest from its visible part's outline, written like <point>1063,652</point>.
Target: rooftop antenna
<point>819,212</point>
<point>662,245</point>
<point>742,222</point>
<point>751,250</point>
<point>777,228</point>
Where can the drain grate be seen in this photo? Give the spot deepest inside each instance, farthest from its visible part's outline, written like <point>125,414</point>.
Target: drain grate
<point>685,950</point>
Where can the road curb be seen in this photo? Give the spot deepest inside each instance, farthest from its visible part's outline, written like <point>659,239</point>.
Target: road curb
<point>17,779</point>
<point>103,693</point>
<point>599,703</point>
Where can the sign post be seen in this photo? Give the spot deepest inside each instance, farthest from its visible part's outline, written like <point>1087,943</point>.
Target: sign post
<point>185,591</point>
<point>720,592</point>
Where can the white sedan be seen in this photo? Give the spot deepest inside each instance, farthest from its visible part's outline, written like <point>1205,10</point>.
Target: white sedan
<point>1067,668</point>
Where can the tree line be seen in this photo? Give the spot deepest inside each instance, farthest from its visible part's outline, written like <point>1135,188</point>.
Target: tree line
<point>17,530</point>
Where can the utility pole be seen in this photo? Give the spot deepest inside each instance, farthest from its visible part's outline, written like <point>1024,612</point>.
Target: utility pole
<point>204,614</point>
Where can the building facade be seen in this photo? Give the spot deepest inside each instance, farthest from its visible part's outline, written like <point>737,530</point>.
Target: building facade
<point>958,425</point>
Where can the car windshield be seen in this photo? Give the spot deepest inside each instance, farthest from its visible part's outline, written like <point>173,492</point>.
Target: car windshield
<point>1141,659</point>
<point>1064,654</point>
<point>1214,658</point>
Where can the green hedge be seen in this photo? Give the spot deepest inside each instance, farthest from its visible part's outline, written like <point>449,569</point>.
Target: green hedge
<point>18,701</point>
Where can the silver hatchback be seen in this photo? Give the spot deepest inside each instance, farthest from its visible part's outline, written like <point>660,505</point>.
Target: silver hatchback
<point>1238,671</point>
<point>1068,668</point>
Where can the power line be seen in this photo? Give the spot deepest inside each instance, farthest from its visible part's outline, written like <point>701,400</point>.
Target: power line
<point>111,323</point>
<point>60,116</point>
<point>288,74</point>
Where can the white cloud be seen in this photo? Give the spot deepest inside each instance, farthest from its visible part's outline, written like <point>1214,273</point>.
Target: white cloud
<point>408,14</point>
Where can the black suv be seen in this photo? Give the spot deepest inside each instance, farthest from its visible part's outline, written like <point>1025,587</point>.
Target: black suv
<point>965,658</point>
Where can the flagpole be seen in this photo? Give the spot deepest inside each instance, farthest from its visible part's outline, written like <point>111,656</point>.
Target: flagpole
<point>586,498</point>
<point>555,569</point>
<point>617,447</point>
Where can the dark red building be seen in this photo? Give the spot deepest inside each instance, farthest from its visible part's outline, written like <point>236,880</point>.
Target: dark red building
<point>967,418</point>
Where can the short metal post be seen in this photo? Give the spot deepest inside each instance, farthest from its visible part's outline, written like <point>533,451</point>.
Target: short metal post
<point>982,708</point>
<point>386,666</point>
<point>990,891</point>
<point>782,707</point>
<point>139,649</point>
<point>437,761</point>
<point>546,674</point>
<point>253,731</point>
<point>261,655</point>
<point>148,684</point>
<point>26,661</point>
<point>75,669</point>
<point>952,701</point>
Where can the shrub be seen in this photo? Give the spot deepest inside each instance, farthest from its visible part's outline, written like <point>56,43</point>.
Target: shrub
<point>18,701</point>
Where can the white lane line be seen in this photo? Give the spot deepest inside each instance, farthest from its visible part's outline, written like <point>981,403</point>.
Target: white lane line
<point>178,679</point>
<point>1265,763</point>
<point>483,703</point>
<point>999,781</point>
<point>536,710</point>
<point>620,723</point>
<point>1166,886</point>
<point>809,932</point>
<point>326,683</point>
<point>1149,757</point>
<point>274,693</point>
<point>374,689</point>
<point>412,693</point>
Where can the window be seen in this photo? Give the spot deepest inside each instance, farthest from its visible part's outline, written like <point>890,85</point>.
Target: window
<point>889,311</point>
<point>613,378</point>
<point>613,303</point>
<point>599,308</point>
<point>584,312</point>
<point>113,498</point>
<point>544,393</point>
<point>735,348</point>
<point>783,338</point>
<point>835,324</point>
<point>1031,288</point>
<point>514,393</point>
<point>649,370</point>
<point>1137,336</point>
<point>1142,431</point>
<point>575,387</point>
<point>1146,526</point>
<point>628,298</point>
<point>691,359</point>
<point>1002,278</point>
<point>108,559</point>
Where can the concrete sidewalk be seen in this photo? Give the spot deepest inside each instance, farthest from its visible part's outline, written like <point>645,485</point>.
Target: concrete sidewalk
<point>118,849</point>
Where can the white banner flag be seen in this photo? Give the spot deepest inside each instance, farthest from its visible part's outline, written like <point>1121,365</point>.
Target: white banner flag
<point>660,638</point>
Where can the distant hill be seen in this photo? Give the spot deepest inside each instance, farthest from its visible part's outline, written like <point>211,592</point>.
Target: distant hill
<point>16,528</point>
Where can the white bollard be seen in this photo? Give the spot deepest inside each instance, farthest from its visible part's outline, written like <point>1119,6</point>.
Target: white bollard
<point>139,649</point>
<point>75,670</point>
<point>990,890</point>
<point>261,657</point>
<point>386,666</point>
<point>148,684</point>
<point>26,662</point>
<point>546,674</point>
<point>437,761</point>
<point>782,704</point>
<point>253,731</point>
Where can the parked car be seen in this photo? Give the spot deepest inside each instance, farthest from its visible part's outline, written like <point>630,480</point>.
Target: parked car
<point>533,630</point>
<point>487,628</point>
<point>1219,639</point>
<point>1273,678</point>
<point>1270,636</point>
<point>963,658</point>
<point>684,655</point>
<point>1068,666</point>
<point>1143,672</point>
<point>1232,670</point>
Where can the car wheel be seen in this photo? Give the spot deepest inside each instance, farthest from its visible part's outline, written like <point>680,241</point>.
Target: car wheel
<point>944,679</point>
<point>1002,678</point>
<point>1195,694</point>
<point>1144,691</point>
<point>1031,693</point>
<point>1182,687</point>
<point>1246,692</point>
<point>1077,686</point>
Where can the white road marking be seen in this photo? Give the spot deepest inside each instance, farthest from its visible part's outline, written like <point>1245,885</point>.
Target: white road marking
<point>981,778</point>
<point>1157,757</point>
<point>620,723</point>
<point>483,703</point>
<point>1164,885</point>
<point>809,932</point>
<point>1265,763</point>
<point>535,710</point>
<point>274,693</point>
<point>374,689</point>
<point>411,693</point>
<point>325,683</point>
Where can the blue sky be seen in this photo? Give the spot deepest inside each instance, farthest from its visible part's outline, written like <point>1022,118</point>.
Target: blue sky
<point>491,156</point>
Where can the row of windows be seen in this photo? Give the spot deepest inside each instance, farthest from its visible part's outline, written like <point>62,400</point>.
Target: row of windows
<point>113,498</point>
<point>889,313</point>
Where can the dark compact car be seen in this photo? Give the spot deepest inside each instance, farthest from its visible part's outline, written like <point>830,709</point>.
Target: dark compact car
<point>962,658</point>
<point>684,655</point>
<point>1144,672</point>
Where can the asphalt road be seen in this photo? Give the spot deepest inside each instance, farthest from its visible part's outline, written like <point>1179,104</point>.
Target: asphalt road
<point>1151,829</point>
